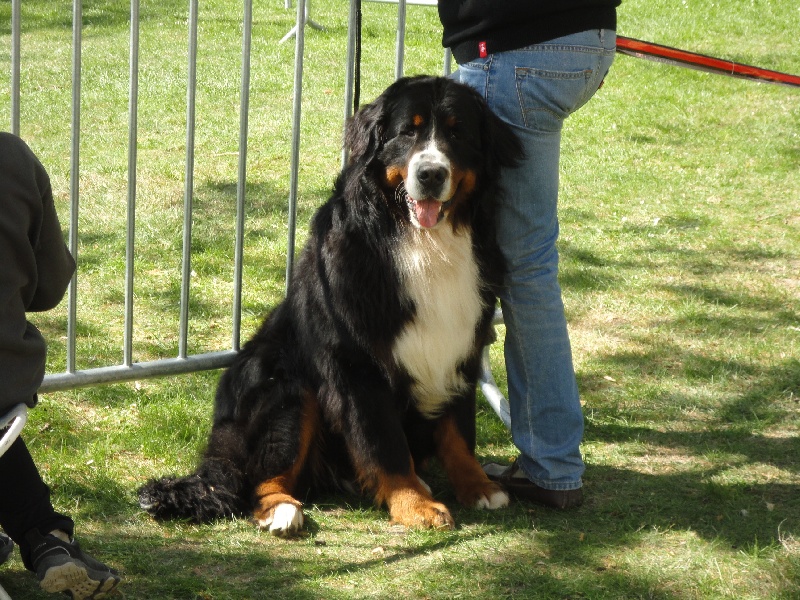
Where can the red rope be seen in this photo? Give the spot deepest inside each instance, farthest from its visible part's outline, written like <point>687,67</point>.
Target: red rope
<point>674,56</point>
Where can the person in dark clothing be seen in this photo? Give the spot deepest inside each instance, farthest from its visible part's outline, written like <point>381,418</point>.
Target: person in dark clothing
<point>35,270</point>
<point>535,63</point>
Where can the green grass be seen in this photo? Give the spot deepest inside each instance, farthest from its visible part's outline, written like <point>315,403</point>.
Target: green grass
<point>680,258</point>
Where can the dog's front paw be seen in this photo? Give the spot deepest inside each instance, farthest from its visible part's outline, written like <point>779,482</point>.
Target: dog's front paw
<point>493,500</point>
<point>418,512</point>
<point>283,520</point>
<point>483,495</point>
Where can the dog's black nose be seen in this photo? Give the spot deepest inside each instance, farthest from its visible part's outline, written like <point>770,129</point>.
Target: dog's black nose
<point>431,174</point>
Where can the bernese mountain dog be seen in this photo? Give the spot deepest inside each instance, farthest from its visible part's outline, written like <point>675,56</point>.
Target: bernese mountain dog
<point>368,368</point>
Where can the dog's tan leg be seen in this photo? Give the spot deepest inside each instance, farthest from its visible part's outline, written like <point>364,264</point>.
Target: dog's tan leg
<point>409,503</point>
<point>472,487</point>
<point>275,507</point>
<point>276,510</point>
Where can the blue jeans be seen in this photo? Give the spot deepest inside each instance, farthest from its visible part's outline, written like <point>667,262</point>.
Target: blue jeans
<point>534,89</point>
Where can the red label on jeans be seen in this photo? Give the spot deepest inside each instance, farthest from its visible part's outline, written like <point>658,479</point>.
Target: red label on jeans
<point>482,50</point>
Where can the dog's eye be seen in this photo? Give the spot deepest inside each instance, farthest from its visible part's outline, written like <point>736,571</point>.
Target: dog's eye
<point>453,128</point>
<point>408,131</point>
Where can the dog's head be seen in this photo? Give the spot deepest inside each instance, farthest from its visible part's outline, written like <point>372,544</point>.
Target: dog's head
<point>434,147</point>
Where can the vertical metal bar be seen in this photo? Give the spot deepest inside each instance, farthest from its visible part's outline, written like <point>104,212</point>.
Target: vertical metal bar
<point>133,115</point>
<point>295,160</point>
<point>244,110</point>
<point>401,39</point>
<point>188,193</point>
<point>16,33</point>
<point>74,178</point>
<point>349,72</point>
<point>448,62</point>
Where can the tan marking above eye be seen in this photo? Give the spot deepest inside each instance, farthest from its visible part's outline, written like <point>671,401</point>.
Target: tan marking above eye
<point>418,120</point>
<point>451,122</point>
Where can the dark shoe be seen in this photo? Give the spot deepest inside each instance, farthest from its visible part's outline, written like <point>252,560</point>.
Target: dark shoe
<point>6,547</point>
<point>515,481</point>
<point>62,567</point>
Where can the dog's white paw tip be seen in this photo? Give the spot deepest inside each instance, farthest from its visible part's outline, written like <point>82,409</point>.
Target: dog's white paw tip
<point>498,499</point>
<point>287,519</point>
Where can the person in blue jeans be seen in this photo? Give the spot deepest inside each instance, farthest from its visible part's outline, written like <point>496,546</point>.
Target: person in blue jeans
<point>535,63</point>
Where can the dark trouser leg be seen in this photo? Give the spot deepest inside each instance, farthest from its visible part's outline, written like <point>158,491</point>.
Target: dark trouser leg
<point>25,501</point>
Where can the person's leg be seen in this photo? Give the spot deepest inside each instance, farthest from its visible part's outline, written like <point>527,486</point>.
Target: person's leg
<point>25,503</point>
<point>534,90</point>
<point>44,536</point>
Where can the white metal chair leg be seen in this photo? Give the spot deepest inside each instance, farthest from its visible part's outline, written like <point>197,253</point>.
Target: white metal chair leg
<point>14,420</point>
<point>3,595</point>
<point>493,395</point>
<point>491,392</point>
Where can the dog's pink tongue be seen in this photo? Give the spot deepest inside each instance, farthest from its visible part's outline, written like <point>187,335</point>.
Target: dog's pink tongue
<point>427,212</point>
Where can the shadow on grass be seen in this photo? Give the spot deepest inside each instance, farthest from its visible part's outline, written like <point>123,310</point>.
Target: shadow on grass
<point>203,569</point>
<point>154,568</point>
<point>696,491</point>
<point>525,551</point>
<point>755,397</point>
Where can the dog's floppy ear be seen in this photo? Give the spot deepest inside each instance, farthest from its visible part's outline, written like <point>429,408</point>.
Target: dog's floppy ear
<point>500,140</point>
<point>364,132</point>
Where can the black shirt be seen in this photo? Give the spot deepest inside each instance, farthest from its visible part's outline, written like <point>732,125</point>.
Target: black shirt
<point>474,28</point>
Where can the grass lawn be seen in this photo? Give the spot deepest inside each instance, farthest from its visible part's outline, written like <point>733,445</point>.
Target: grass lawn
<point>680,245</point>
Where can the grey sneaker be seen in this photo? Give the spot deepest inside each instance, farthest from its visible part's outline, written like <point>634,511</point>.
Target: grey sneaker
<point>62,567</point>
<point>6,547</point>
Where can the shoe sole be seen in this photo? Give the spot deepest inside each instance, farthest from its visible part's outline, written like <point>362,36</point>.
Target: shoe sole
<point>75,580</point>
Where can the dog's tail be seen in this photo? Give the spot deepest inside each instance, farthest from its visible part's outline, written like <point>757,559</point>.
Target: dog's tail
<point>218,489</point>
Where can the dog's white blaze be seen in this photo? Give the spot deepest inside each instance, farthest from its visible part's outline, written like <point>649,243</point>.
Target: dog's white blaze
<point>431,154</point>
<point>441,277</point>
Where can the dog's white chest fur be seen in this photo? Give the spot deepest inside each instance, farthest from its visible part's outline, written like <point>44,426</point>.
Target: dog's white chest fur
<point>441,277</point>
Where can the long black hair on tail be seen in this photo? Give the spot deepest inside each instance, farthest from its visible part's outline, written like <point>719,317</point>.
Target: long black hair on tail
<point>216,490</point>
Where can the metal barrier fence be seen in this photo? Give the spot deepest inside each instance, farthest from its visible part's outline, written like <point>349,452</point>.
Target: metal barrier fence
<point>128,370</point>
<point>184,362</point>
